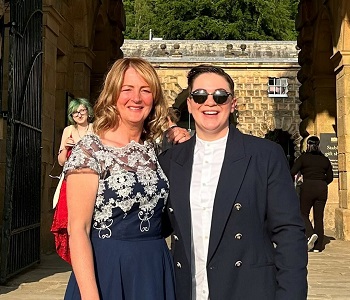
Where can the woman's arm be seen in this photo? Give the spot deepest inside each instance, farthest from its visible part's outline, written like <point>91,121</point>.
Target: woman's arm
<point>81,196</point>
<point>329,173</point>
<point>296,166</point>
<point>286,229</point>
<point>66,142</point>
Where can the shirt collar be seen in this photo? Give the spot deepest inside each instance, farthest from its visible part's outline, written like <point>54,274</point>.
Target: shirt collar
<point>202,144</point>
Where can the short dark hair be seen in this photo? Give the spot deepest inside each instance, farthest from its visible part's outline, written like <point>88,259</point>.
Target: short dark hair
<point>201,69</point>
<point>313,144</point>
<point>313,140</point>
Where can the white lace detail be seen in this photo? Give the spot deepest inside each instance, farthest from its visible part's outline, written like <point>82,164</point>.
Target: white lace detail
<point>120,170</point>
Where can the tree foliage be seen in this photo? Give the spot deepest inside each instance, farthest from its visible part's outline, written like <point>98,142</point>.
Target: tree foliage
<point>211,19</point>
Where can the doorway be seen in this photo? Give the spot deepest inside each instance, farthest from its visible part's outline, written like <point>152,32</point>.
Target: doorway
<point>283,138</point>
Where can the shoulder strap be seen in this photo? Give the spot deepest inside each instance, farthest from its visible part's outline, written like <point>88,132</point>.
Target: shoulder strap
<point>54,176</point>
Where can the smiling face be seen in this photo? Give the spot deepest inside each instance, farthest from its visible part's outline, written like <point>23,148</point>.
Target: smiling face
<point>211,119</point>
<point>80,116</point>
<point>135,100</point>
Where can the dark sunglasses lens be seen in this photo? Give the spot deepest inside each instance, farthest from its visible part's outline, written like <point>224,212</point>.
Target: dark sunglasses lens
<point>199,96</point>
<point>220,97</point>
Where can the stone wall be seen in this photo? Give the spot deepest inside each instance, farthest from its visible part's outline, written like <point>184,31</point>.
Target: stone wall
<point>249,65</point>
<point>210,50</point>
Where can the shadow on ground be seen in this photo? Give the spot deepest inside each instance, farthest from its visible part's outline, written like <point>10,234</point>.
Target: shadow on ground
<point>49,265</point>
<point>327,239</point>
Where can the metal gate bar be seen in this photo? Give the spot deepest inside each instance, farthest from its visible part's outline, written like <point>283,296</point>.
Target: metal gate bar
<point>22,205</point>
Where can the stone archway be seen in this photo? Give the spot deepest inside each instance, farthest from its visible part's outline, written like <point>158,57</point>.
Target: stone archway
<point>323,77</point>
<point>318,92</point>
<point>284,139</point>
<point>324,99</point>
<point>318,89</point>
<point>107,39</point>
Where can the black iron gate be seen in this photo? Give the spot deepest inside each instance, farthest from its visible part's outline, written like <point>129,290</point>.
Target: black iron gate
<point>22,204</point>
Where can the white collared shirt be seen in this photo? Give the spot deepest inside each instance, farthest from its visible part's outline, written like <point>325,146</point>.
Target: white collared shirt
<point>207,163</point>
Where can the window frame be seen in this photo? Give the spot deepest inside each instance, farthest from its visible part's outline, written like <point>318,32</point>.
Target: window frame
<point>278,88</point>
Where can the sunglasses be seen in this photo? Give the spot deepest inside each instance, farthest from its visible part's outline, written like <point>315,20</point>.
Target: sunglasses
<point>200,96</point>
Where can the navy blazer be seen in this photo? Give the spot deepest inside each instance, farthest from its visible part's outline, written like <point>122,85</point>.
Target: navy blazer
<point>257,247</point>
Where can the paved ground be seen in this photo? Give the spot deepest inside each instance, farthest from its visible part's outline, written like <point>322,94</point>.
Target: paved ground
<point>329,272</point>
<point>329,276</point>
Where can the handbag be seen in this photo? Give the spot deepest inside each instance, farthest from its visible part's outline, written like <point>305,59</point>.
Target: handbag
<point>298,180</point>
<point>57,191</point>
<point>59,185</point>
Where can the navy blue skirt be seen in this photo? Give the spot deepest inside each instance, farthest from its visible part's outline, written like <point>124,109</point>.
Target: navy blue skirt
<point>130,270</point>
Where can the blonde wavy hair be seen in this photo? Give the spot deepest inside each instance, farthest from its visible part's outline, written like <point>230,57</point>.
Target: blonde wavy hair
<point>105,110</point>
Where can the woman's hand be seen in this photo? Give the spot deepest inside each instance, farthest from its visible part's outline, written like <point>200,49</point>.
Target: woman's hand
<point>178,135</point>
<point>69,143</point>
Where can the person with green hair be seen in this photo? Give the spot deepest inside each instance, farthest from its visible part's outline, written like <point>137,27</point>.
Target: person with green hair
<point>80,114</point>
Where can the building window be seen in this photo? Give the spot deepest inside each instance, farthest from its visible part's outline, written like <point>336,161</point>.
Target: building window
<point>278,87</point>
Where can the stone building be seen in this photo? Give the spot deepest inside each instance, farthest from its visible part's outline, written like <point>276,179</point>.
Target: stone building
<point>265,74</point>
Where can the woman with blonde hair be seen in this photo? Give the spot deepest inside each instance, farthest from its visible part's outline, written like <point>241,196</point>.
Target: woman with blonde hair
<point>117,191</point>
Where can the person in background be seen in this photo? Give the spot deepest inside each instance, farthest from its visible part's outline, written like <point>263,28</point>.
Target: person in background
<point>117,191</point>
<point>317,173</point>
<point>233,213</point>
<point>173,117</point>
<point>80,114</point>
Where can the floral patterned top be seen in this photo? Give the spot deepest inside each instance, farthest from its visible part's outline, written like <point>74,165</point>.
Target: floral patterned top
<point>132,189</point>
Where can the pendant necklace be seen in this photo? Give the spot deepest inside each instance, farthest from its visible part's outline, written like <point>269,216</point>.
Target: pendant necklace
<point>86,130</point>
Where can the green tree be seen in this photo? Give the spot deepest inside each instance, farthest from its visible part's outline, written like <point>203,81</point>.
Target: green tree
<point>212,19</point>
<point>139,18</point>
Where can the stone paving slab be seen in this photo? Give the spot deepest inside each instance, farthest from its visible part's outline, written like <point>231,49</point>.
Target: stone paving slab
<point>329,276</point>
<point>329,272</point>
<point>46,281</point>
